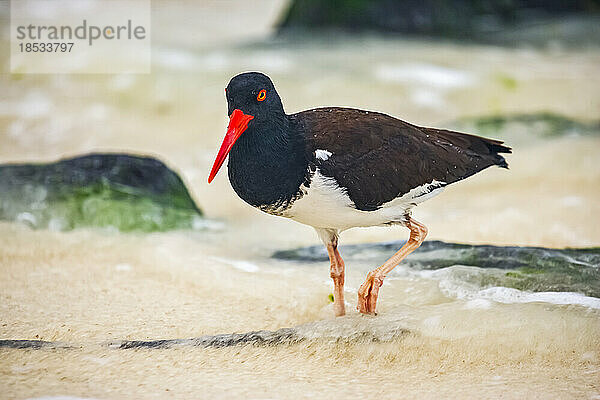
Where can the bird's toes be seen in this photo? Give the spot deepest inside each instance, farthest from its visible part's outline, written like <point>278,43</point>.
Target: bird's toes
<point>368,293</point>
<point>364,297</point>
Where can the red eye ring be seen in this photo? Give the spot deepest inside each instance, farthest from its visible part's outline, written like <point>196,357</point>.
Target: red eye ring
<point>261,95</point>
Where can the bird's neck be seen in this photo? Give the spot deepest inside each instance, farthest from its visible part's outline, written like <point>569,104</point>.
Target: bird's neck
<point>267,164</point>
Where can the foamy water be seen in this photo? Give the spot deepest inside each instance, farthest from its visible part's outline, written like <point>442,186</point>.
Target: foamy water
<point>89,287</point>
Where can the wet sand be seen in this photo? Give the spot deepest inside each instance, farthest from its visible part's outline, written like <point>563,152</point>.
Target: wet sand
<point>88,288</point>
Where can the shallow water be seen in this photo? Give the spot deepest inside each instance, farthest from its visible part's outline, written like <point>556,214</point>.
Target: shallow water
<point>88,287</point>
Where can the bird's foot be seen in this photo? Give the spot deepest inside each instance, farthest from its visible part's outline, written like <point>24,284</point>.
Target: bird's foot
<point>368,292</point>
<point>339,309</point>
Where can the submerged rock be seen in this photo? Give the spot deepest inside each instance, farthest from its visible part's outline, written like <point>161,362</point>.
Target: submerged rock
<point>536,125</point>
<point>534,269</point>
<point>350,329</point>
<point>32,344</point>
<point>126,192</point>
<point>257,338</point>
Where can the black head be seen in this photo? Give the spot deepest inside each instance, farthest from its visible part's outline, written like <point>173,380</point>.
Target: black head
<point>254,94</point>
<point>251,101</point>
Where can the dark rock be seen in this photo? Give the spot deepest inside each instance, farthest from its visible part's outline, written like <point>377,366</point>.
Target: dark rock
<point>526,268</point>
<point>127,192</point>
<point>348,330</point>
<point>281,336</point>
<point>32,344</point>
<point>480,20</point>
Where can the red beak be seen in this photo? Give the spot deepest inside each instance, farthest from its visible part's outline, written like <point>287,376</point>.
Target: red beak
<point>238,123</point>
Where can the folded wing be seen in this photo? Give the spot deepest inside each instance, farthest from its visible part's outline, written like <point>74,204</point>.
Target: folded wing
<point>377,158</point>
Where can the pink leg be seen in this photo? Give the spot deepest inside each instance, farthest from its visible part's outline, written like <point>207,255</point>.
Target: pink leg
<point>367,293</point>
<point>337,274</point>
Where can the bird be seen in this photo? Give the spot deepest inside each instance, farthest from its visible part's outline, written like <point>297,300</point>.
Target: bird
<point>335,168</point>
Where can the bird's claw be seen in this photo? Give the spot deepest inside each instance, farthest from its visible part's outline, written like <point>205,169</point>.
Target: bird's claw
<point>368,292</point>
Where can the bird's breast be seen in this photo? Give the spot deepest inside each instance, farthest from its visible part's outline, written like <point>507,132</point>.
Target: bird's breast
<point>268,180</point>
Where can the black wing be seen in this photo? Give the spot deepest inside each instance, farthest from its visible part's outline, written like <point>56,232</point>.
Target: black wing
<point>377,158</point>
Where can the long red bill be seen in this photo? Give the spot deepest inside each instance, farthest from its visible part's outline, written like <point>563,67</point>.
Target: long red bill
<point>238,123</point>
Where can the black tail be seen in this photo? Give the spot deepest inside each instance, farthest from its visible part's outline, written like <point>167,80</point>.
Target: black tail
<point>495,147</point>
<point>489,148</point>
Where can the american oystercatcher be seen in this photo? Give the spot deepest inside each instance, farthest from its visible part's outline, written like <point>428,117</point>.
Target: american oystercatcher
<point>337,168</point>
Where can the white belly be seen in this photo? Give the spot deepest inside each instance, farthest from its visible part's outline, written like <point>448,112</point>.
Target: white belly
<point>326,205</point>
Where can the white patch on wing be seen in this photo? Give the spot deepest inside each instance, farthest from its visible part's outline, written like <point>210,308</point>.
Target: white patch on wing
<point>326,205</point>
<point>322,154</point>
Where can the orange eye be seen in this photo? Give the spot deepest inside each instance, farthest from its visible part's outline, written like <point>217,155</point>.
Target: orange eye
<point>261,95</point>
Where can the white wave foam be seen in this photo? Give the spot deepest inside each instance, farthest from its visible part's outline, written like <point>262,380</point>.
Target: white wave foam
<point>509,295</point>
<point>452,284</point>
<point>175,59</point>
<point>421,74</point>
<point>478,303</point>
<point>123,267</point>
<point>238,264</point>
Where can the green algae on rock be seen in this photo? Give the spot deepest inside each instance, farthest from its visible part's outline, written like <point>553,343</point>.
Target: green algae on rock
<point>121,191</point>
<point>534,125</point>
<point>535,269</point>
